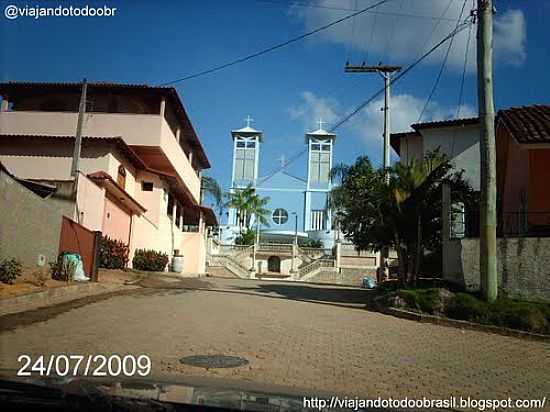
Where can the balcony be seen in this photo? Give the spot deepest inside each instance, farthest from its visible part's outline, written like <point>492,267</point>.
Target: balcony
<point>148,134</point>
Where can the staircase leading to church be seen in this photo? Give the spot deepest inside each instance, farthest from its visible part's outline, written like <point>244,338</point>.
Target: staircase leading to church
<point>235,261</point>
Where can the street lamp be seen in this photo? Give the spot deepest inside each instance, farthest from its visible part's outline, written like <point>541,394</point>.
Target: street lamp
<point>295,227</point>
<point>292,263</point>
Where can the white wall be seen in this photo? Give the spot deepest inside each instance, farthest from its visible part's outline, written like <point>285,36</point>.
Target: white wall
<point>461,144</point>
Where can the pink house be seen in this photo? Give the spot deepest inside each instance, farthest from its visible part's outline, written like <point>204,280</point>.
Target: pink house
<point>139,178</point>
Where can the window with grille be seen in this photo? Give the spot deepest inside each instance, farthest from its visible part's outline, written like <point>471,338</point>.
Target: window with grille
<point>280,216</point>
<point>318,220</point>
<point>320,162</point>
<point>245,160</point>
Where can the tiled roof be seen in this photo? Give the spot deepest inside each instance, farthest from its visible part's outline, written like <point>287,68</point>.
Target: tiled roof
<point>528,124</point>
<point>170,93</point>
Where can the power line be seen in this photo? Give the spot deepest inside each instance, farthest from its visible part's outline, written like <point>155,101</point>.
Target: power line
<point>275,47</point>
<point>436,25</point>
<point>375,95</point>
<point>319,6</point>
<point>462,80</point>
<point>461,93</point>
<point>401,74</point>
<point>442,68</point>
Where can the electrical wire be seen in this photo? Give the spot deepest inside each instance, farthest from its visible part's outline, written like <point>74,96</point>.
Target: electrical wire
<point>319,6</point>
<point>461,93</point>
<point>457,30</point>
<point>275,47</point>
<point>401,74</point>
<point>442,68</point>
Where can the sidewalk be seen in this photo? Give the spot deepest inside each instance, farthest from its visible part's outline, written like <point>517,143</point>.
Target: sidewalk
<point>27,296</point>
<point>55,296</point>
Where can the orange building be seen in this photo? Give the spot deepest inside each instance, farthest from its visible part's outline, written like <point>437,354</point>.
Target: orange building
<point>523,169</point>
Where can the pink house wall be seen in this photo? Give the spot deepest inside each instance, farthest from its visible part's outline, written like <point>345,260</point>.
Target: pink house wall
<point>116,221</point>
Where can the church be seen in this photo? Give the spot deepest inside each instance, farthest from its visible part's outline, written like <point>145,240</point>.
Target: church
<point>298,206</point>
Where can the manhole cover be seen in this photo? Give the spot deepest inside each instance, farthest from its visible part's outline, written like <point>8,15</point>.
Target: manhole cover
<point>214,361</point>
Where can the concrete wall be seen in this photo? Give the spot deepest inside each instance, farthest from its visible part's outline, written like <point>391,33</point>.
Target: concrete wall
<point>346,276</point>
<point>410,148</point>
<point>91,203</point>
<point>461,144</point>
<point>29,225</point>
<point>116,221</point>
<point>135,129</point>
<point>523,266</point>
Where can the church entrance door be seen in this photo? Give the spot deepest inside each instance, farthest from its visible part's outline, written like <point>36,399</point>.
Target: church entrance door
<point>274,264</point>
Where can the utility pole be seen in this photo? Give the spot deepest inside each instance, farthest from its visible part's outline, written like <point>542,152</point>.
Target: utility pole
<point>488,218</point>
<point>385,72</point>
<point>80,122</point>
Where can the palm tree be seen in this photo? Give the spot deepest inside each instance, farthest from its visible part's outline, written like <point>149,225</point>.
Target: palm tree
<point>409,186</point>
<point>403,214</point>
<point>247,204</point>
<point>209,186</point>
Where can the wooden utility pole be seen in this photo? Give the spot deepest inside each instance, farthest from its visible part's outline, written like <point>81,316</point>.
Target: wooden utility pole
<point>488,217</point>
<point>79,124</point>
<point>385,72</point>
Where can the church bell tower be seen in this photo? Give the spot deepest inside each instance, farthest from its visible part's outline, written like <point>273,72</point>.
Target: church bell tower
<point>246,153</point>
<point>317,214</point>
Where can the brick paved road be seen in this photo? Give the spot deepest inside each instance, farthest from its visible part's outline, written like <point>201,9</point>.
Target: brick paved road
<point>294,335</point>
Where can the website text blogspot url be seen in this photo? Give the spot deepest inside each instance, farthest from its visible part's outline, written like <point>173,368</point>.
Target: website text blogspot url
<point>13,12</point>
<point>452,402</point>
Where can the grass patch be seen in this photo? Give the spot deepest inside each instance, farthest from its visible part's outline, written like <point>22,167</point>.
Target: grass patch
<point>505,312</point>
<point>425,300</point>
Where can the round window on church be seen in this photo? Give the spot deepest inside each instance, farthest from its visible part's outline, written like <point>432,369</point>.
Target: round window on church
<point>280,216</point>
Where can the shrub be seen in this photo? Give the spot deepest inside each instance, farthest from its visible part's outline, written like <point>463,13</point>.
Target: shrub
<point>113,254</point>
<point>10,269</point>
<point>424,300</point>
<point>312,243</point>
<point>246,238</point>
<point>150,260</point>
<point>40,277</point>
<point>467,307</point>
<point>63,269</point>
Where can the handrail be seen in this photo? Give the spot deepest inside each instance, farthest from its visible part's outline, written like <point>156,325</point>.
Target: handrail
<point>323,262</point>
<point>224,260</point>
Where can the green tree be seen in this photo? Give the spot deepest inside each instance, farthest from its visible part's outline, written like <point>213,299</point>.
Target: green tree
<point>248,203</point>
<point>210,187</point>
<point>404,214</point>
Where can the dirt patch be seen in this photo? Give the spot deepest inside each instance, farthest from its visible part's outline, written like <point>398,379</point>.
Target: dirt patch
<point>28,282</point>
<point>15,320</point>
<point>117,276</point>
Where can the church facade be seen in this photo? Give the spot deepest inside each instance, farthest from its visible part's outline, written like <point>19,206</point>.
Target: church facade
<point>298,205</point>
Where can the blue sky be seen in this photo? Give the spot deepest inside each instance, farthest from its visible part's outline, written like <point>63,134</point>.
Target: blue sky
<point>285,91</point>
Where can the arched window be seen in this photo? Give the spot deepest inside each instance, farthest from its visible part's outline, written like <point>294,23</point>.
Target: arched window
<point>121,177</point>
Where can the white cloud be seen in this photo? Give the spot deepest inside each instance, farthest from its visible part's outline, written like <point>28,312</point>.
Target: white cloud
<point>369,123</point>
<point>382,35</point>
<point>313,108</point>
<point>510,36</point>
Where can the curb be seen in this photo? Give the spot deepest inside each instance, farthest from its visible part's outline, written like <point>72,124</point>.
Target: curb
<point>54,296</point>
<point>463,324</point>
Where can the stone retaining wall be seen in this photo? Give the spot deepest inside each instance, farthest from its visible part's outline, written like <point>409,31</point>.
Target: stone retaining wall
<point>523,266</point>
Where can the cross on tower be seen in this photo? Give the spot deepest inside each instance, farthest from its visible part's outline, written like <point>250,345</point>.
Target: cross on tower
<point>248,120</point>
<point>283,160</point>
<point>321,123</point>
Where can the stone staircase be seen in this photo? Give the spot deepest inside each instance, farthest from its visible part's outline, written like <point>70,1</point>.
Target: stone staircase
<point>227,260</point>
<point>221,264</point>
<point>317,266</point>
